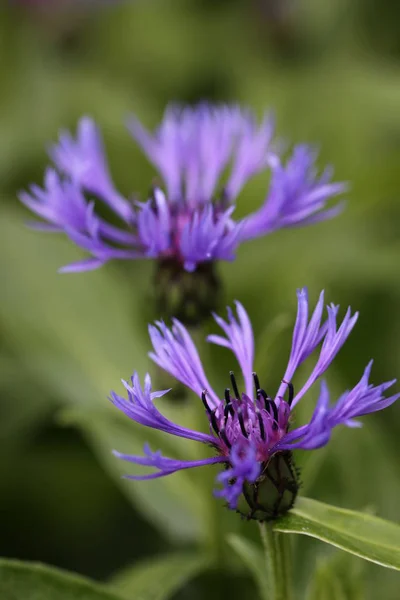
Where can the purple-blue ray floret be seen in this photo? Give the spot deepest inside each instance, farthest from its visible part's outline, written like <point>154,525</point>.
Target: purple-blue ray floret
<point>246,429</point>
<point>297,196</point>
<point>205,155</point>
<point>140,407</point>
<point>165,466</point>
<point>243,467</point>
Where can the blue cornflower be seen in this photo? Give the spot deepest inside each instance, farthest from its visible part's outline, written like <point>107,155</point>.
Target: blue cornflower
<point>251,431</point>
<point>188,220</point>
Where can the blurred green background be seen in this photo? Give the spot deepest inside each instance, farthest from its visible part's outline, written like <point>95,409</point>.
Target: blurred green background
<point>331,72</point>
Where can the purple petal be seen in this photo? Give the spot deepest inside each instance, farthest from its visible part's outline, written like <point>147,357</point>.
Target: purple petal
<point>308,335</point>
<point>165,466</point>
<point>239,339</point>
<point>243,467</point>
<point>175,352</point>
<point>139,407</point>
<point>89,264</point>
<point>83,159</point>
<point>363,399</point>
<point>296,197</point>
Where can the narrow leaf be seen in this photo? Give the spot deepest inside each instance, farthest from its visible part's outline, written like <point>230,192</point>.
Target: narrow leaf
<point>174,504</point>
<point>34,581</point>
<point>159,578</point>
<point>362,534</point>
<point>338,575</point>
<point>326,585</point>
<point>253,558</point>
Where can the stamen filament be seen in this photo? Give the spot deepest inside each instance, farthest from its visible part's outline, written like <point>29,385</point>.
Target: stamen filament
<point>214,422</point>
<point>256,382</point>
<point>234,385</point>
<point>266,398</point>
<point>291,391</point>
<point>241,422</point>
<point>228,409</point>
<point>261,424</point>
<point>204,399</point>
<point>223,436</point>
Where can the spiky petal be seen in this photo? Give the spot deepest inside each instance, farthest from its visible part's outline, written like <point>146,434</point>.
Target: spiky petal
<point>248,430</point>
<point>191,221</point>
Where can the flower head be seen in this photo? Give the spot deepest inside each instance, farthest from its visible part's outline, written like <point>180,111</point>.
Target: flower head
<point>250,431</point>
<point>190,219</point>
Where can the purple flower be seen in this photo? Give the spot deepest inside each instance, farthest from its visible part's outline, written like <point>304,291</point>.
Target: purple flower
<point>190,220</point>
<point>249,431</point>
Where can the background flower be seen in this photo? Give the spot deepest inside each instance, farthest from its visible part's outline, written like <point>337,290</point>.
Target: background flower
<point>191,221</point>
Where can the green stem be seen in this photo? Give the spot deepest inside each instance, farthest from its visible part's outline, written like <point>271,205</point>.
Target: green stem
<point>284,551</point>
<point>277,559</point>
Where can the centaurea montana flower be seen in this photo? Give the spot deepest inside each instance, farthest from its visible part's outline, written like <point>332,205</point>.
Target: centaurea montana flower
<point>190,220</point>
<point>250,431</point>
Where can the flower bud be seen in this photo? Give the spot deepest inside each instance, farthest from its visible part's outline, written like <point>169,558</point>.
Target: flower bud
<point>188,296</point>
<point>274,492</point>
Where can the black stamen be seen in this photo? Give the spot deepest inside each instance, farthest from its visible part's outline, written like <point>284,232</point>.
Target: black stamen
<point>227,395</point>
<point>241,422</point>
<point>291,392</point>
<point>223,436</point>
<point>261,424</point>
<point>256,382</point>
<point>234,385</point>
<point>204,399</point>
<point>214,422</point>
<point>270,405</point>
<point>228,409</point>
<point>267,399</point>
<point>274,409</point>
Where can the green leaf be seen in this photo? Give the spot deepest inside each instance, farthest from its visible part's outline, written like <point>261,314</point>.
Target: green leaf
<point>18,419</point>
<point>89,326</point>
<point>175,504</point>
<point>160,577</point>
<point>253,558</point>
<point>34,581</point>
<point>337,576</point>
<point>326,585</point>
<point>362,534</point>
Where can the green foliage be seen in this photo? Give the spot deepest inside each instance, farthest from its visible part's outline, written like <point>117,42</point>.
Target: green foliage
<point>33,581</point>
<point>175,505</point>
<point>337,577</point>
<point>326,585</point>
<point>359,533</point>
<point>253,558</point>
<point>160,577</point>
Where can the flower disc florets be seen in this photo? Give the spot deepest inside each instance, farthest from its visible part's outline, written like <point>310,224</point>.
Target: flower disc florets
<point>263,423</point>
<point>260,421</point>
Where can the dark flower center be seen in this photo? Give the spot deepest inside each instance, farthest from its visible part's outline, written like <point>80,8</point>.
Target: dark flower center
<point>259,423</point>
<point>239,419</point>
